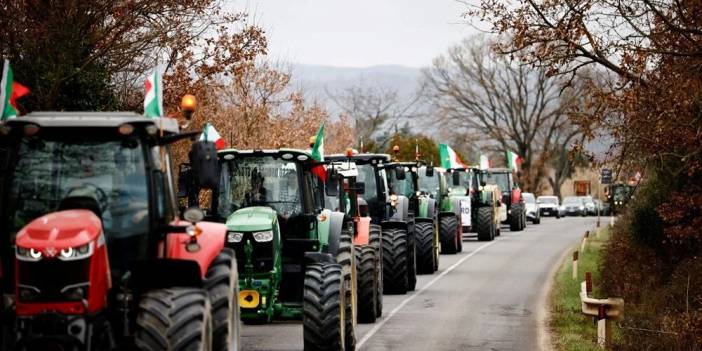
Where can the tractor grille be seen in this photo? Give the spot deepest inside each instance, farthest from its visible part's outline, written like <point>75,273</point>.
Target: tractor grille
<point>48,277</point>
<point>262,255</point>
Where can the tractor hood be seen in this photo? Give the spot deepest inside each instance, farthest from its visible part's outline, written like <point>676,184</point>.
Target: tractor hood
<point>252,219</point>
<point>60,230</point>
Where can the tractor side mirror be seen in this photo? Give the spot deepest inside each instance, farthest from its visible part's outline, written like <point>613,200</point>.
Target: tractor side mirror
<point>429,171</point>
<point>203,162</point>
<point>332,183</point>
<point>193,215</point>
<point>360,188</point>
<point>185,179</point>
<point>400,173</point>
<point>456,177</point>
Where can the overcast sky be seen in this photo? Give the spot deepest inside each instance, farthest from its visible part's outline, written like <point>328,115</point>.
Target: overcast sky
<point>358,33</point>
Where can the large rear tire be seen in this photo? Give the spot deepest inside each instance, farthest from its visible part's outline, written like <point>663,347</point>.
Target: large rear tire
<point>424,237</point>
<point>448,232</point>
<point>394,261</point>
<point>346,257</point>
<point>323,316</point>
<point>174,319</point>
<point>515,218</point>
<point>367,283</point>
<point>485,224</point>
<point>375,240</point>
<point>222,284</point>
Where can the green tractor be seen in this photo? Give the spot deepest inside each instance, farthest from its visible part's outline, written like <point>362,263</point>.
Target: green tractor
<point>391,222</point>
<point>618,196</point>
<point>512,200</point>
<point>296,258</point>
<point>433,195</point>
<point>345,196</point>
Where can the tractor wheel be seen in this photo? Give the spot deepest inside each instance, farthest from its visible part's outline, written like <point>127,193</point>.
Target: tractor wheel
<point>459,242</point>
<point>437,247</point>
<point>367,283</point>
<point>515,218</point>
<point>395,261</point>
<point>174,319</point>
<point>323,318</point>
<point>375,240</point>
<point>537,219</point>
<point>486,224</point>
<point>222,284</point>
<point>424,237</point>
<point>411,261</point>
<point>346,257</point>
<point>448,232</point>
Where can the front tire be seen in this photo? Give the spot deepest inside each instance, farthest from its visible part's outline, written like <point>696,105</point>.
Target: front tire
<point>375,240</point>
<point>323,316</point>
<point>395,261</point>
<point>448,233</point>
<point>174,319</point>
<point>515,218</point>
<point>485,224</point>
<point>222,284</point>
<point>424,232</point>
<point>367,270</point>
<point>346,257</point>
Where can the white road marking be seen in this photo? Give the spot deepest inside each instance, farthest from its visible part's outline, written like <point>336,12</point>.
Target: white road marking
<point>416,293</point>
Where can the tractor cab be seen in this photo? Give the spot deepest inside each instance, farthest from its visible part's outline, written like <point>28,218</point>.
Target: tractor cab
<point>76,186</point>
<point>343,194</point>
<point>512,200</point>
<point>403,180</point>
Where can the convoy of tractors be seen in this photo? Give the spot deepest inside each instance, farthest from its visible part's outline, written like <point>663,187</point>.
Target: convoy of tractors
<point>102,252</point>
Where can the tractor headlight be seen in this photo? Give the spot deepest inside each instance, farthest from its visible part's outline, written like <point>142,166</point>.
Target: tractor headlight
<point>263,236</point>
<point>234,237</point>
<point>393,200</point>
<point>24,254</point>
<point>76,253</point>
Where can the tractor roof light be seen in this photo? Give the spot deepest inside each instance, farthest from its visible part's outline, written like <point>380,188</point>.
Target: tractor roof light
<point>349,152</point>
<point>126,129</point>
<point>188,104</point>
<point>31,129</point>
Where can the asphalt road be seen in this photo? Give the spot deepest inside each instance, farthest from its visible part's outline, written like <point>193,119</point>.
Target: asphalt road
<point>489,297</point>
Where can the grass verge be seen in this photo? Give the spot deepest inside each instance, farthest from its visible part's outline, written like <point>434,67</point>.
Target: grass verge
<point>570,329</point>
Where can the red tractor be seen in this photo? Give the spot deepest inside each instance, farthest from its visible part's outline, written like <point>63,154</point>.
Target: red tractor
<point>95,255</point>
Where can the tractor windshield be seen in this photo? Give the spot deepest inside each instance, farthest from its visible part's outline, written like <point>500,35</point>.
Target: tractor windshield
<point>460,182</point>
<point>499,179</point>
<point>403,186</point>
<point>366,174</point>
<point>430,185</point>
<point>259,181</point>
<point>107,177</point>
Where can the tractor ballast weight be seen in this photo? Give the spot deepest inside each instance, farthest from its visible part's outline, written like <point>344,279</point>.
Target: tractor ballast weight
<point>296,258</point>
<point>83,261</point>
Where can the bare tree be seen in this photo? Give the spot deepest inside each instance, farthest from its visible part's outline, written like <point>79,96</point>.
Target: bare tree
<point>375,111</point>
<point>513,107</point>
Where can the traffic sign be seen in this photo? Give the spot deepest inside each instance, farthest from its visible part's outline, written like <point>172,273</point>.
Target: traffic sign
<point>606,176</point>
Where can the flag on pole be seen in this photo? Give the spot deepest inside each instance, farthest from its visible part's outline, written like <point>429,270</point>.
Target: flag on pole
<point>417,154</point>
<point>484,161</point>
<point>449,158</point>
<point>318,154</point>
<point>153,99</point>
<point>10,91</point>
<point>210,134</point>
<point>514,161</point>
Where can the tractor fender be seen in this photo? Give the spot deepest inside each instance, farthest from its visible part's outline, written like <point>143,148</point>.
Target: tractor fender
<point>336,225</point>
<point>516,196</point>
<point>401,209</point>
<point>210,242</point>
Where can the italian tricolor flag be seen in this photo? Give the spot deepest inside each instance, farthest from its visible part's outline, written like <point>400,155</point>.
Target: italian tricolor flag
<point>318,154</point>
<point>153,100</point>
<point>10,91</point>
<point>514,162</point>
<point>210,134</point>
<point>449,158</point>
<point>484,161</point>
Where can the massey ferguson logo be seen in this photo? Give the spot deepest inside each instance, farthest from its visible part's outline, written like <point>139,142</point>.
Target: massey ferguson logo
<point>50,252</point>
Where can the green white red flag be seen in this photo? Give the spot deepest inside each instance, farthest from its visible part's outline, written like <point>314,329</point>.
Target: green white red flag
<point>10,91</point>
<point>484,161</point>
<point>514,161</point>
<point>449,158</point>
<point>318,154</point>
<point>210,134</point>
<point>153,99</point>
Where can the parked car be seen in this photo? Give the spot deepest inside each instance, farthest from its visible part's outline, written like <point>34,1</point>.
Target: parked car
<point>532,208</point>
<point>590,206</point>
<point>574,206</point>
<point>549,206</point>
